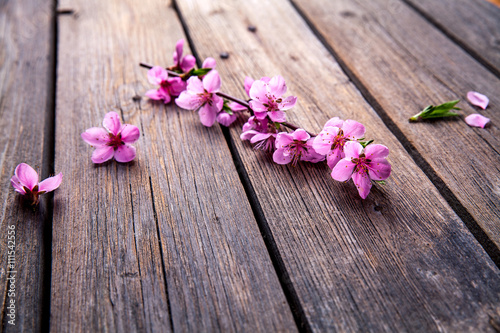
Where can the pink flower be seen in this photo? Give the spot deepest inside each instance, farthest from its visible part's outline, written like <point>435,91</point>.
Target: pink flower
<point>264,141</point>
<point>478,99</point>
<point>202,95</point>
<point>331,140</point>
<point>113,140</point>
<point>167,86</point>
<point>248,84</point>
<point>209,63</point>
<point>255,126</point>
<point>363,167</point>
<point>267,99</point>
<point>25,182</point>
<point>292,147</point>
<point>184,64</point>
<point>227,119</point>
<point>477,120</point>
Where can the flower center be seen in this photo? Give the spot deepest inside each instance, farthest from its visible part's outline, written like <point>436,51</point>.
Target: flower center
<point>361,163</point>
<point>115,141</point>
<point>339,141</point>
<point>296,149</point>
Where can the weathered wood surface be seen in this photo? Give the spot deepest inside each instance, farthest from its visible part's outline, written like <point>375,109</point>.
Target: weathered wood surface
<point>475,24</point>
<point>25,95</point>
<point>169,241</point>
<point>405,63</point>
<point>401,260</point>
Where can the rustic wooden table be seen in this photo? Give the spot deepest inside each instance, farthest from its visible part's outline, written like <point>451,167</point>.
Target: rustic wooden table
<point>201,232</point>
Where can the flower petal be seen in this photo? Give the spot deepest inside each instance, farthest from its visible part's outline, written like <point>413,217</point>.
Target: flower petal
<point>343,170</point>
<point>157,74</point>
<point>248,84</point>
<point>277,116</point>
<point>208,114</point>
<point>176,86</point>
<point>195,85</point>
<point>209,63</point>
<point>102,154</point>
<point>352,149</point>
<point>188,100</point>
<point>16,183</point>
<point>324,141</point>
<point>277,86</point>
<point>374,151</point>
<point>95,136</point>
<point>225,118</point>
<point>50,184</point>
<point>178,51</point>
<point>478,99</point>
<point>130,133</point>
<point>353,130</point>
<point>379,169</point>
<point>125,153</point>
<point>112,122</point>
<point>260,136</point>
<point>211,81</point>
<point>248,135</point>
<point>258,91</point>
<point>26,175</point>
<point>257,106</point>
<point>187,63</point>
<point>283,139</point>
<point>288,103</point>
<point>334,157</point>
<point>280,157</point>
<point>362,182</point>
<point>300,135</point>
<point>334,122</point>
<point>236,107</point>
<point>477,120</point>
<point>153,94</point>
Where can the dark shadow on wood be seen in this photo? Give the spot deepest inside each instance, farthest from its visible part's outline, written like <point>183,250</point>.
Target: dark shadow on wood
<point>478,233</point>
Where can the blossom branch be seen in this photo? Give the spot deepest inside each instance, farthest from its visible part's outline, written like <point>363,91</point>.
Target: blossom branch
<point>231,98</point>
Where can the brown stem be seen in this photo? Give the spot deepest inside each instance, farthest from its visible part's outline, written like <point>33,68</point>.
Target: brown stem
<point>295,127</point>
<point>231,98</point>
<point>234,99</point>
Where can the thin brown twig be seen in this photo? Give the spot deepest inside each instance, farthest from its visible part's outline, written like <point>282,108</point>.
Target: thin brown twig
<point>232,98</point>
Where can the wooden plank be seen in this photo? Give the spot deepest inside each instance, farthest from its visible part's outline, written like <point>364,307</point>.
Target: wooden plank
<point>401,260</point>
<point>475,24</point>
<point>405,64</point>
<point>169,241</point>
<point>25,106</point>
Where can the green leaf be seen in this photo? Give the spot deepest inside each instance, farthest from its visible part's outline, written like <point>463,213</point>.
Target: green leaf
<point>439,111</point>
<point>365,143</point>
<point>226,108</point>
<point>380,182</point>
<point>201,71</point>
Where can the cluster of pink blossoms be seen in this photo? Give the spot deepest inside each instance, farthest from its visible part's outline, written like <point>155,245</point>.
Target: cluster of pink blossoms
<point>339,143</point>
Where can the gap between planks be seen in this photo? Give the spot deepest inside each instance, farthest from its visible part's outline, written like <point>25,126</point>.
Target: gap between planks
<point>291,295</point>
<point>484,240</point>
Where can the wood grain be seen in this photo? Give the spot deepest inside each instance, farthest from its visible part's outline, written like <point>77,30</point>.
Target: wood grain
<point>401,260</point>
<point>473,23</point>
<point>25,99</point>
<point>405,64</point>
<point>168,241</point>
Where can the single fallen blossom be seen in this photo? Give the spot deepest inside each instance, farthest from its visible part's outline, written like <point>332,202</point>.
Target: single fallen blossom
<point>331,140</point>
<point>202,95</point>
<point>478,99</point>
<point>182,64</point>
<point>363,167</point>
<point>266,95</point>
<point>25,182</point>
<point>113,140</point>
<point>292,147</point>
<point>168,86</point>
<point>476,120</point>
